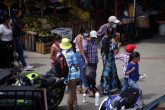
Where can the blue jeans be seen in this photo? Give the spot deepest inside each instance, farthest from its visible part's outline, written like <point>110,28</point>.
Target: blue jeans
<point>81,64</point>
<point>19,50</point>
<point>135,85</point>
<point>125,84</point>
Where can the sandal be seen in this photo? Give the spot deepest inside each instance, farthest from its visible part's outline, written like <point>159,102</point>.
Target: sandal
<point>79,90</point>
<point>90,93</point>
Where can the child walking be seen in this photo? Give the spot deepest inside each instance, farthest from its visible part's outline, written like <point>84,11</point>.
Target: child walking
<point>132,71</point>
<point>129,49</point>
<point>92,56</point>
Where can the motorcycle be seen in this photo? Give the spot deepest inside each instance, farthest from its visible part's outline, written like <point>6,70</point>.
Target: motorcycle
<point>7,76</point>
<point>55,86</point>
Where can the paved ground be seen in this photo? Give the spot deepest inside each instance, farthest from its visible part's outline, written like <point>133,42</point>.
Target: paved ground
<point>152,64</point>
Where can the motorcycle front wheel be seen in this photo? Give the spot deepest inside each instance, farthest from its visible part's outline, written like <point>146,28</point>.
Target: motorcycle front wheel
<point>54,97</point>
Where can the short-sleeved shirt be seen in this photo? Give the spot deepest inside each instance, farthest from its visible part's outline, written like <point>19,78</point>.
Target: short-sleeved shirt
<point>71,61</point>
<point>7,34</point>
<point>54,50</point>
<point>103,29</point>
<point>135,74</point>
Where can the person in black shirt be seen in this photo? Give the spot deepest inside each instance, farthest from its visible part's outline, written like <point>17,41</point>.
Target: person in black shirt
<point>17,30</point>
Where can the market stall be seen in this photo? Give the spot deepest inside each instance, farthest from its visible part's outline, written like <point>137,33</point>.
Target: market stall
<point>42,21</point>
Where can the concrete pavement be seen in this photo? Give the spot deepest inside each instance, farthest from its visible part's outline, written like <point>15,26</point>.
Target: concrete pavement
<point>152,64</point>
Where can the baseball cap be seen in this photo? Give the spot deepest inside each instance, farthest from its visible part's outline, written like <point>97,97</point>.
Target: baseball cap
<point>130,48</point>
<point>113,19</point>
<point>93,33</point>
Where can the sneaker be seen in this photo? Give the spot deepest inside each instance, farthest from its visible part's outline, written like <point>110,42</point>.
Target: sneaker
<point>28,67</point>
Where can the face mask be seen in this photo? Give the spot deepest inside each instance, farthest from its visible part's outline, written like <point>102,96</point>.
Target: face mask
<point>125,13</point>
<point>114,25</point>
<point>85,34</point>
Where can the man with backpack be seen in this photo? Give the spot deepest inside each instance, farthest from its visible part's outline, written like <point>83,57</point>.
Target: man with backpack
<point>54,50</point>
<point>59,66</point>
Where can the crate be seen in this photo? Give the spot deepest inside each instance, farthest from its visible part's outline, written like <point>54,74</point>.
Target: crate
<point>30,41</point>
<point>142,22</point>
<point>75,26</point>
<point>43,48</point>
<point>22,98</point>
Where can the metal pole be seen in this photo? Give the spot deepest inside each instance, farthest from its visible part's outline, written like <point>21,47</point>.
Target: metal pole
<point>42,8</point>
<point>9,11</point>
<point>134,10</point>
<point>45,99</point>
<point>115,7</point>
<point>20,3</point>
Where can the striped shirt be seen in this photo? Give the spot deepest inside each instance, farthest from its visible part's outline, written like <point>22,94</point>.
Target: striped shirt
<point>124,58</point>
<point>71,61</point>
<point>92,53</point>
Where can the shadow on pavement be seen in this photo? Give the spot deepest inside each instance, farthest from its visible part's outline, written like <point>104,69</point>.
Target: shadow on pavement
<point>85,106</point>
<point>36,65</point>
<point>61,108</point>
<point>148,96</point>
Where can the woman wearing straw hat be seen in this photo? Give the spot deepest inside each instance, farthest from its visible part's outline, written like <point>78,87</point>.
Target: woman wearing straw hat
<point>73,75</point>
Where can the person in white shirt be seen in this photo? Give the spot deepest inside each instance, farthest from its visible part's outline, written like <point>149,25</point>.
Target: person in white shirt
<point>6,43</point>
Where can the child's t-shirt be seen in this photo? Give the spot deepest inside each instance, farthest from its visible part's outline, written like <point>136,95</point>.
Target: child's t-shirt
<point>135,74</point>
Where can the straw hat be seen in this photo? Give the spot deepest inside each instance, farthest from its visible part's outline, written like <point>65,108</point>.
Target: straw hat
<point>65,44</point>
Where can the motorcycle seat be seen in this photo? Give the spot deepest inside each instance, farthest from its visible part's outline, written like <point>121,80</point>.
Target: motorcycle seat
<point>48,81</point>
<point>4,75</point>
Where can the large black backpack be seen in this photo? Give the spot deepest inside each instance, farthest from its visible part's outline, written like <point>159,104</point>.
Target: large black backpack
<point>130,96</point>
<point>126,98</point>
